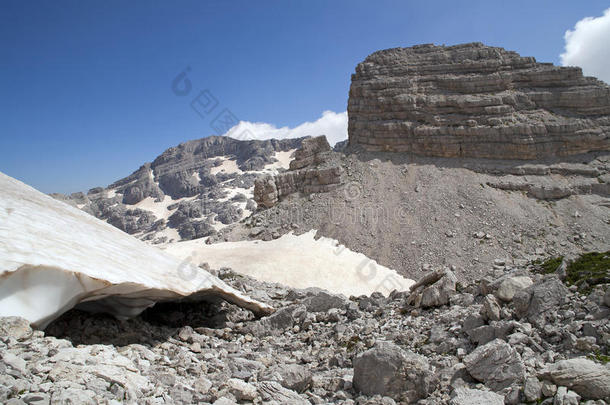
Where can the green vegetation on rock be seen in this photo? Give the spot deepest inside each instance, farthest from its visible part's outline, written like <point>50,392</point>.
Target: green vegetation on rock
<point>586,271</point>
<point>548,266</point>
<point>591,268</point>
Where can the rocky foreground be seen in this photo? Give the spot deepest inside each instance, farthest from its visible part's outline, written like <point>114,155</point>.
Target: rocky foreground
<point>516,336</point>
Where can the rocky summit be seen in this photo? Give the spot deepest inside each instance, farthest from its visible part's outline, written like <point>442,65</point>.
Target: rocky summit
<point>473,100</point>
<point>190,191</point>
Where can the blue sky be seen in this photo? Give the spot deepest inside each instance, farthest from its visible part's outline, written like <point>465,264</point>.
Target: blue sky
<point>86,86</point>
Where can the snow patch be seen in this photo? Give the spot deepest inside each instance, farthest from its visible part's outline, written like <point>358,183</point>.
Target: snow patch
<point>298,262</point>
<point>171,234</point>
<point>228,166</point>
<point>158,208</point>
<point>283,160</point>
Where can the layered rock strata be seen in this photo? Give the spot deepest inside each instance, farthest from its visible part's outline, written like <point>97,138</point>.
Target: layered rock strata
<point>473,100</point>
<point>312,171</point>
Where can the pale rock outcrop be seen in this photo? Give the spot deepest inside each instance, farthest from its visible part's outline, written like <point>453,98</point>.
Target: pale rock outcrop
<point>311,152</point>
<point>468,396</point>
<point>472,100</point>
<point>312,171</point>
<point>509,286</point>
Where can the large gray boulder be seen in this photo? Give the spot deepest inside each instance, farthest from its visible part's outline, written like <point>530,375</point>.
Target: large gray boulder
<point>322,301</point>
<point>388,370</point>
<point>279,321</point>
<point>15,327</point>
<point>539,302</point>
<point>292,376</point>
<point>496,364</point>
<point>433,290</point>
<point>589,379</point>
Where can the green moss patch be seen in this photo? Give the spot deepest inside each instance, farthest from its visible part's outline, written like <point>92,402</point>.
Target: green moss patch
<point>599,357</point>
<point>591,268</point>
<point>548,266</point>
<point>588,270</point>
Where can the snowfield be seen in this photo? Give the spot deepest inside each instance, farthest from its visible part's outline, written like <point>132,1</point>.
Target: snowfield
<point>297,261</point>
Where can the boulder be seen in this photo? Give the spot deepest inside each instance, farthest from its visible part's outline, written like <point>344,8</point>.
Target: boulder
<point>279,321</point>
<point>292,376</point>
<point>566,397</point>
<point>273,391</point>
<point>540,301</point>
<point>532,389</point>
<point>496,364</point>
<point>388,370</point>
<point>491,308</point>
<point>433,290</point>
<point>509,286</point>
<point>242,390</point>
<point>15,327</point>
<point>322,301</point>
<point>589,379</point>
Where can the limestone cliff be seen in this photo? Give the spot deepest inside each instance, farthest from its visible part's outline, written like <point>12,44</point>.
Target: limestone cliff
<point>473,100</point>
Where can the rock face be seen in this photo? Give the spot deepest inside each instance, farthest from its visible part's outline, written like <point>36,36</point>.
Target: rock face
<point>473,100</point>
<point>173,168</point>
<point>216,175</point>
<point>312,171</point>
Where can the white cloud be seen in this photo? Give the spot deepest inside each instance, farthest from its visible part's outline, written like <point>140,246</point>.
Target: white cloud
<point>588,46</point>
<point>331,124</point>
